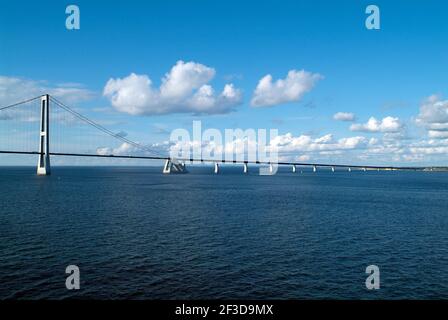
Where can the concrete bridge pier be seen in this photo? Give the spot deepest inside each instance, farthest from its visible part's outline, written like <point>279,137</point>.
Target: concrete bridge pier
<point>172,166</point>
<point>216,168</point>
<point>314,169</point>
<point>245,168</point>
<point>294,169</point>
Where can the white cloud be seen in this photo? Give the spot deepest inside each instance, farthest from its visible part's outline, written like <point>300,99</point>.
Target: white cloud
<point>184,89</point>
<point>305,143</point>
<point>402,151</point>
<point>438,134</point>
<point>290,89</point>
<point>434,117</point>
<point>15,89</point>
<point>434,110</point>
<point>443,150</point>
<point>124,149</point>
<point>127,149</point>
<point>288,146</point>
<point>183,78</point>
<point>302,148</point>
<point>328,138</point>
<point>388,124</point>
<point>344,116</point>
<point>303,157</point>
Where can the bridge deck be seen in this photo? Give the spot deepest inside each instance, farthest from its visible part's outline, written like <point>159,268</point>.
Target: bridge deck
<point>282,163</point>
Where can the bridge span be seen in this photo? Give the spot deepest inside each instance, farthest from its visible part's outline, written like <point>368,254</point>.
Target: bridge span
<point>177,165</point>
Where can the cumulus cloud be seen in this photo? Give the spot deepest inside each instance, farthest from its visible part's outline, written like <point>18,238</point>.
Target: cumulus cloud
<point>127,149</point>
<point>387,124</point>
<point>240,146</point>
<point>434,110</point>
<point>303,157</point>
<point>123,149</point>
<point>184,89</point>
<point>302,148</point>
<point>290,89</point>
<point>288,143</point>
<point>438,134</point>
<point>434,116</point>
<point>430,147</point>
<point>420,152</point>
<point>15,89</point>
<point>344,116</point>
<point>289,147</point>
<point>443,150</point>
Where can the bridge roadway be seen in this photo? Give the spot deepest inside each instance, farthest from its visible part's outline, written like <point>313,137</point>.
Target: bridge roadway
<point>247,162</point>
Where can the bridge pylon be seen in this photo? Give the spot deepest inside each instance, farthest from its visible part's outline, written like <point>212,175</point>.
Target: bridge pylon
<point>43,165</point>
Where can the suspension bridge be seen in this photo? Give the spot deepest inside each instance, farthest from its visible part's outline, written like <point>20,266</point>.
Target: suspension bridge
<point>46,127</point>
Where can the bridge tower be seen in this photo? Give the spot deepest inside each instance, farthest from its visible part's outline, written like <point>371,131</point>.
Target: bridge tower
<point>43,166</point>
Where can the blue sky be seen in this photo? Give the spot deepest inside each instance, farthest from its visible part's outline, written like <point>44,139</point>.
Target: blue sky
<point>383,73</point>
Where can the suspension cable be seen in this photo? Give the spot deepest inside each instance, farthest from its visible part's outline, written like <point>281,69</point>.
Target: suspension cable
<point>103,129</point>
<point>19,103</point>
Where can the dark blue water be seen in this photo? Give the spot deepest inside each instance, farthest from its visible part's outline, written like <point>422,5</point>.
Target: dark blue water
<point>135,233</point>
